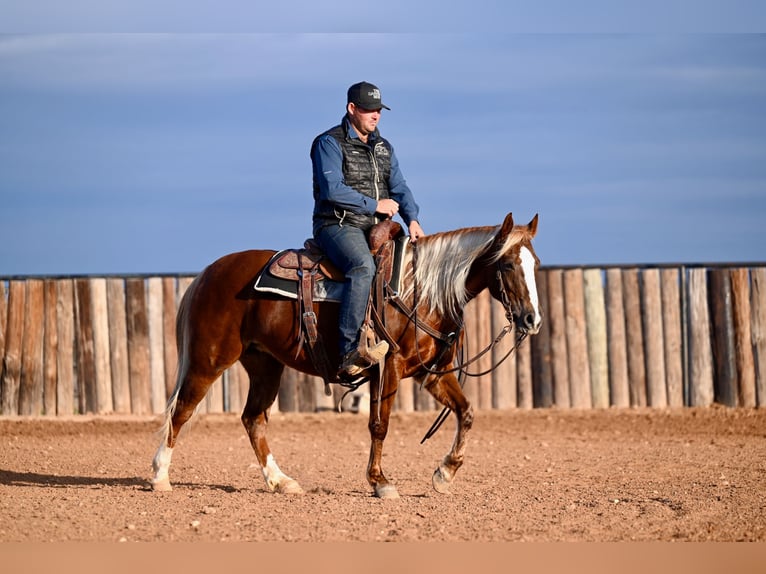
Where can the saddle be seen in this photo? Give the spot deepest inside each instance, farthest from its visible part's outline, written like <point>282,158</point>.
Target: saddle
<point>301,273</point>
<point>292,264</point>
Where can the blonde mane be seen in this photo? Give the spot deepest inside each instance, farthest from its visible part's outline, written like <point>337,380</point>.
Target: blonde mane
<point>444,261</point>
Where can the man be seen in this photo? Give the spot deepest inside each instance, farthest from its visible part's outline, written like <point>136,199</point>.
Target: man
<point>357,182</point>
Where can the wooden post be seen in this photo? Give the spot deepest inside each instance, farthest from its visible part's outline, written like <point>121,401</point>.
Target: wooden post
<point>169,309</point>
<point>183,286</point>
<point>405,396</point>
<point>671,328</point>
<point>504,387</point>
<point>31,381</point>
<point>231,389</point>
<point>238,387</point>
<point>424,401</point>
<point>559,354</point>
<point>595,320</point>
<point>305,394</point>
<point>740,289</point>
<point>139,354</point>
<point>524,372</point>
<point>86,363</point>
<point>483,338</point>
<point>634,338</point>
<point>157,346</point>
<point>577,343</point>
<point>758,306</point>
<point>50,348</point>
<point>288,391</point>
<point>700,353</point>
<point>101,352</point>
<point>11,371</point>
<point>724,354</point>
<point>618,355</point>
<point>321,401</point>
<point>651,312</point>
<point>65,306</point>
<point>472,346</point>
<point>214,397</point>
<point>118,345</point>
<point>540,346</point>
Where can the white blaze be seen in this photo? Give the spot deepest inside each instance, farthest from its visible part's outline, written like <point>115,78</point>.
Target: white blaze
<point>528,266</point>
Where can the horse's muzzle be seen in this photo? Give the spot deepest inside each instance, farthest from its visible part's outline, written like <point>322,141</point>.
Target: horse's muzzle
<point>526,322</point>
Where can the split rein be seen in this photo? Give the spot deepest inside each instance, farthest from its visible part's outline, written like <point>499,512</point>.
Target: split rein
<point>449,340</point>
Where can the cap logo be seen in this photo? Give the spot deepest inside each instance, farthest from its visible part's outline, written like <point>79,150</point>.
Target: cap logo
<point>375,94</point>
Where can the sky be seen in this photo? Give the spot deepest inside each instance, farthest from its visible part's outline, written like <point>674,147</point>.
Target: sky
<point>127,151</point>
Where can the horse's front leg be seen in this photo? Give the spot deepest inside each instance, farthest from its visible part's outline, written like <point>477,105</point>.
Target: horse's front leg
<point>447,391</point>
<point>381,404</point>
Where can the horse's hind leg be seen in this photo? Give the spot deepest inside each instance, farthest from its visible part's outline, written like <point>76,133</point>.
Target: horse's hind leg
<point>447,391</point>
<point>191,388</point>
<point>265,373</point>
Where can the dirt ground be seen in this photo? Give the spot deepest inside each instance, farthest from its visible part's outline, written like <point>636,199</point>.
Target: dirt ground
<point>543,475</point>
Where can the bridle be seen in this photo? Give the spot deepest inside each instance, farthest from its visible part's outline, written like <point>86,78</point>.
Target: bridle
<point>449,340</point>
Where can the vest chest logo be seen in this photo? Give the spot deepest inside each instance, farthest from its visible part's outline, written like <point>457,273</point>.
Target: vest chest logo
<point>381,150</point>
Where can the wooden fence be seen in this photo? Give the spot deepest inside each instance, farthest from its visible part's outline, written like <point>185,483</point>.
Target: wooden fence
<point>661,336</point>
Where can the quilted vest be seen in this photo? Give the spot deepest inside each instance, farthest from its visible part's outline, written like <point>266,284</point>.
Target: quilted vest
<point>365,168</point>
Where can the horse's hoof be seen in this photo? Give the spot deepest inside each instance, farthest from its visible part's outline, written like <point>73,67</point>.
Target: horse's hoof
<point>387,492</point>
<point>161,485</point>
<point>289,487</point>
<point>440,481</point>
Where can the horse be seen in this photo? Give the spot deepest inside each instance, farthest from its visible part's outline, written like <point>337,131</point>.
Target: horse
<point>222,319</point>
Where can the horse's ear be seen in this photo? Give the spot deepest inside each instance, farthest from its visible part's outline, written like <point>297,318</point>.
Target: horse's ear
<point>507,227</point>
<point>532,226</point>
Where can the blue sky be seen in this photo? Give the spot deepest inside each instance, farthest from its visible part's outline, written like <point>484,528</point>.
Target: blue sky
<point>159,152</point>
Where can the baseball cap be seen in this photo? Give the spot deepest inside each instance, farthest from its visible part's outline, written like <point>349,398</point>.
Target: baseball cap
<point>365,95</point>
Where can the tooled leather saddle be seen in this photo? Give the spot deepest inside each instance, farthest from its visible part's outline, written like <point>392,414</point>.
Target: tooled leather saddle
<point>308,275</point>
<point>290,267</point>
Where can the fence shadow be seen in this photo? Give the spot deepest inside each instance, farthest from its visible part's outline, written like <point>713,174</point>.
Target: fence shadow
<point>14,478</point>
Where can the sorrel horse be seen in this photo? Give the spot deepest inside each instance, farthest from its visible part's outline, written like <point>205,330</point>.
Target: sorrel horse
<point>222,319</point>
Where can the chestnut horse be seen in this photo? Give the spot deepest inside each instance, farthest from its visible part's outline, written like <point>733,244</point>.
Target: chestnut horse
<point>222,319</point>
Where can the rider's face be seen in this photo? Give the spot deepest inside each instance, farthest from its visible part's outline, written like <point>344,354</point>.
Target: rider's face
<point>364,121</point>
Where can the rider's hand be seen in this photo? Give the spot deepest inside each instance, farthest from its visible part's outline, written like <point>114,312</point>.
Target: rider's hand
<point>416,232</point>
<point>387,207</point>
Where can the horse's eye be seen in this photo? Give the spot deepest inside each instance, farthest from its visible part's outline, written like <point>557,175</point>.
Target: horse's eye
<point>508,266</point>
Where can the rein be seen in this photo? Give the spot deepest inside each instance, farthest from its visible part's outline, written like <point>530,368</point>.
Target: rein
<point>450,338</point>
<point>449,341</point>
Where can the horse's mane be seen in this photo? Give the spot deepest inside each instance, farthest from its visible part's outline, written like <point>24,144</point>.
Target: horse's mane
<point>444,261</point>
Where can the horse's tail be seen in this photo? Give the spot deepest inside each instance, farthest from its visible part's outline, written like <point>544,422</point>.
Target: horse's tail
<point>182,369</point>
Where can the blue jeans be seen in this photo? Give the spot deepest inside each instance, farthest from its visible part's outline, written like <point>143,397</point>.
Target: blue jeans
<point>347,248</point>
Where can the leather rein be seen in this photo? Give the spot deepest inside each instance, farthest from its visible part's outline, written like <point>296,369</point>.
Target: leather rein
<point>449,339</point>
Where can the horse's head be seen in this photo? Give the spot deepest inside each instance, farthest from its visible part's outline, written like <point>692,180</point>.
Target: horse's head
<point>515,266</point>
